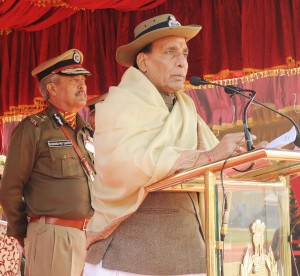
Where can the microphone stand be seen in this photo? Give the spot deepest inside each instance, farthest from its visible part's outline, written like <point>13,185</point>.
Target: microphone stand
<point>227,201</point>
<point>247,130</point>
<point>230,89</point>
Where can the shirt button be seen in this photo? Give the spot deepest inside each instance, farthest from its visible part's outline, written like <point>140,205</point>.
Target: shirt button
<point>64,156</point>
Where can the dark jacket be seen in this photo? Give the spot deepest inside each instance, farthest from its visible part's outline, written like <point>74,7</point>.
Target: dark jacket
<point>163,237</point>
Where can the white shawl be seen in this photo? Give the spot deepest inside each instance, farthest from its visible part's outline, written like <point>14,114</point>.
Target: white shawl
<point>137,140</point>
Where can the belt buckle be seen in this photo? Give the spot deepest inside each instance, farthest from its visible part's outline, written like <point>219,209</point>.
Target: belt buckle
<point>85,223</point>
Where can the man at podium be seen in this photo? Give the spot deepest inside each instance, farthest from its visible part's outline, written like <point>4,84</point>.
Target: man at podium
<point>146,130</point>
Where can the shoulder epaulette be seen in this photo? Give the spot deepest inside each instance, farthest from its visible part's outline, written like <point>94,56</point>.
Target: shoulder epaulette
<point>38,118</point>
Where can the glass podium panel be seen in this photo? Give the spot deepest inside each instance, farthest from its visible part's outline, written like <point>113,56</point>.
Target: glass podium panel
<point>253,244</point>
<point>258,229</point>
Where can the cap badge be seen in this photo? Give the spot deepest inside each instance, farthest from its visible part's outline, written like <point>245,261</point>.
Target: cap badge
<point>76,57</point>
<point>173,22</point>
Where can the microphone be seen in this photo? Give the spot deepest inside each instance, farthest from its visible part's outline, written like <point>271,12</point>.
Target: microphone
<point>231,90</point>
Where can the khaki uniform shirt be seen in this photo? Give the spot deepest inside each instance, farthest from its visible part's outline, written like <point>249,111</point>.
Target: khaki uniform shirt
<point>43,174</point>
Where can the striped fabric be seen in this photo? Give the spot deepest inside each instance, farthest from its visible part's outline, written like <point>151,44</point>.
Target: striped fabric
<point>70,118</point>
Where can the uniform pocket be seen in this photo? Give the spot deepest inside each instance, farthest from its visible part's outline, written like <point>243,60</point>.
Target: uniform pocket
<point>64,162</point>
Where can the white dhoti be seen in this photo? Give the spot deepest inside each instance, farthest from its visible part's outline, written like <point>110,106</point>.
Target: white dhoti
<point>98,270</point>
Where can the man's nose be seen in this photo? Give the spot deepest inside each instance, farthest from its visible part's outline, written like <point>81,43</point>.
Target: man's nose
<point>82,83</point>
<point>182,61</point>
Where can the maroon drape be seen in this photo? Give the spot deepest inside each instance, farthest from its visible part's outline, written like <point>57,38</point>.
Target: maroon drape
<point>270,34</point>
<point>31,15</point>
<point>238,37</point>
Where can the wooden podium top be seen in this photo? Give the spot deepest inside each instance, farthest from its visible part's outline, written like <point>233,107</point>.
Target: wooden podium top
<point>269,165</point>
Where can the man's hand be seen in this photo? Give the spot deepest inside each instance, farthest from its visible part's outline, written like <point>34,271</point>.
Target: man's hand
<point>230,144</point>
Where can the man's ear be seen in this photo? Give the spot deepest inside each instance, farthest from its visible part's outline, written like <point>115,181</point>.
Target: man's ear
<point>141,61</point>
<point>51,88</point>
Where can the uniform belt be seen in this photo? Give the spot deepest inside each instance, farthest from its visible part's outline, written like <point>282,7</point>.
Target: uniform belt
<point>75,223</point>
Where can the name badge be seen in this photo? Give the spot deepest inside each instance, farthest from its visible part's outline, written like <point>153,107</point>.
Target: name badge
<point>60,143</point>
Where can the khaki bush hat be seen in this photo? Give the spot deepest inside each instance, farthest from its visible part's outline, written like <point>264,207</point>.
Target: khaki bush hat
<point>151,30</point>
<point>66,64</point>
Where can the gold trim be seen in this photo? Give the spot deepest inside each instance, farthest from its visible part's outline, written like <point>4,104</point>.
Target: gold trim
<point>54,3</point>
<point>229,74</point>
<point>5,31</point>
<point>284,231</point>
<point>17,113</point>
<point>210,218</point>
<point>249,78</point>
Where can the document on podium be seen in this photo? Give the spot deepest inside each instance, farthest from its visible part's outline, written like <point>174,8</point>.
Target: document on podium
<point>283,140</point>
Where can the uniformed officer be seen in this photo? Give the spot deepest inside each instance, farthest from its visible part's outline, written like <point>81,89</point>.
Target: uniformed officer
<point>45,190</point>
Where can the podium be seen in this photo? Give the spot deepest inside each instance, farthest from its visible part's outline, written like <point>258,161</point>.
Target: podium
<point>257,239</point>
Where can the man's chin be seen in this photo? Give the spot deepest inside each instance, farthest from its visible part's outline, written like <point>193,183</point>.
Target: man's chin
<point>82,98</point>
<point>178,87</point>
<point>82,102</point>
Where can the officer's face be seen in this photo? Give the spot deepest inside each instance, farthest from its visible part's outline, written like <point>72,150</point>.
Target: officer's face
<point>70,93</point>
<point>166,65</point>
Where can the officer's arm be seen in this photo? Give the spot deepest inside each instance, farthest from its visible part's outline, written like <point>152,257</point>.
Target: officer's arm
<point>18,167</point>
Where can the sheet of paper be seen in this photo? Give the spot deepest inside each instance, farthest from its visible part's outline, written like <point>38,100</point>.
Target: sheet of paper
<point>283,140</point>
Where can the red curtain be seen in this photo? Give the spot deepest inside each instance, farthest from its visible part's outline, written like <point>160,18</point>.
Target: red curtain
<point>35,15</point>
<point>238,37</point>
<point>274,28</point>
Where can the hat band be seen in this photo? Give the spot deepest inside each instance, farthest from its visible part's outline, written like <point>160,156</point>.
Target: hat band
<point>75,70</point>
<point>54,67</point>
<point>169,23</point>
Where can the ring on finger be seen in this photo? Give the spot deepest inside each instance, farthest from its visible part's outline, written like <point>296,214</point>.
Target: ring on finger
<point>238,149</point>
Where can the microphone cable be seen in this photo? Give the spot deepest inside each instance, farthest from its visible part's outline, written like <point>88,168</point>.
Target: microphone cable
<point>225,210</point>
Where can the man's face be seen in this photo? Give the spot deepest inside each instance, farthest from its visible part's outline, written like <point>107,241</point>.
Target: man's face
<point>166,64</point>
<point>70,93</point>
